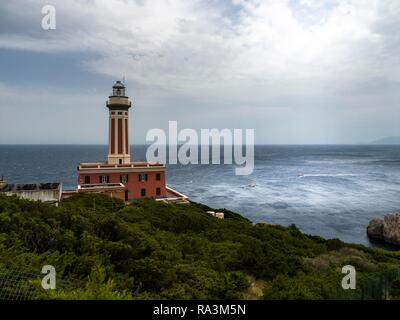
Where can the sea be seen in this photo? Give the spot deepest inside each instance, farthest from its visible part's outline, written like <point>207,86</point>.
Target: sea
<point>328,190</point>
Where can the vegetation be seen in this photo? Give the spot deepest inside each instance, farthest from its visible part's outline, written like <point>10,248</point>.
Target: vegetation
<point>102,249</point>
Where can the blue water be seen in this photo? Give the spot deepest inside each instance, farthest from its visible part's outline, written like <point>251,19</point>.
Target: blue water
<point>339,190</point>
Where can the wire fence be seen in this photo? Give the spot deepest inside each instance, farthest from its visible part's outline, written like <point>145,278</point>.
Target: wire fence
<point>381,287</point>
<point>16,282</point>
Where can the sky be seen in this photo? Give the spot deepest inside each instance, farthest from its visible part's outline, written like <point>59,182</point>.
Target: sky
<point>295,71</point>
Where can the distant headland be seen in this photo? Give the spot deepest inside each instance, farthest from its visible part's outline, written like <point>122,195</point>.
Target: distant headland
<point>388,141</point>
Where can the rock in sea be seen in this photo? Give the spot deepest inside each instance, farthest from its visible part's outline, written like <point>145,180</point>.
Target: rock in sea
<point>387,229</point>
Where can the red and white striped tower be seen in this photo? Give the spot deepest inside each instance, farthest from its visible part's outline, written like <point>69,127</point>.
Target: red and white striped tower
<point>118,146</point>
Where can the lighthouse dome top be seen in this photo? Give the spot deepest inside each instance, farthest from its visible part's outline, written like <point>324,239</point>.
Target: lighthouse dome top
<point>119,89</point>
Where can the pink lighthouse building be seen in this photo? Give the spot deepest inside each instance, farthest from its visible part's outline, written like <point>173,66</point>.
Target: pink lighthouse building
<point>119,176</point>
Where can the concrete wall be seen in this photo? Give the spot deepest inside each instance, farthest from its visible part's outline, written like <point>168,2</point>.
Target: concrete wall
<point>52,196</point>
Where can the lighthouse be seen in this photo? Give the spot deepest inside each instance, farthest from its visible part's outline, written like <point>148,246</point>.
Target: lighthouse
<point>119,176</point>
<point>118,145</point>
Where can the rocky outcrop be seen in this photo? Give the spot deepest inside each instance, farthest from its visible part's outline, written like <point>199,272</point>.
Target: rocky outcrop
<point>391,228</point>
<point>387,229</point>
<point>375,229</point>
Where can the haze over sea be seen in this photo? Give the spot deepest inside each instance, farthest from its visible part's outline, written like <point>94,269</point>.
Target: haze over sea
<point>327,190</point>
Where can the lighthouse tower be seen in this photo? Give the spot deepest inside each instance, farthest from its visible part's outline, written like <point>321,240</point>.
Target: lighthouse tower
<point>119,177</point>
<point>118,146</point>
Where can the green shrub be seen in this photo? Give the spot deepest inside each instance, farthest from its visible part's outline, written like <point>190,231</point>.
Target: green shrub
<point>150,250</point>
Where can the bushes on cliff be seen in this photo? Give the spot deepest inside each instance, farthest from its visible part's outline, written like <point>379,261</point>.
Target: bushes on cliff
<point>153,250</point>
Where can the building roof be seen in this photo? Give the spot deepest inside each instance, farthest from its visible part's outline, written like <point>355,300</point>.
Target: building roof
<point>101,187</point>
<point>119,84</point>
<point>132,165</point>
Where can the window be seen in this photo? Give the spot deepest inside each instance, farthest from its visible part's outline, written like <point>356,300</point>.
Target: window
<point>119,92</point>
<point>158,191</point>
<point>142,177</point>
<point>87,179</point>
<point>120,161</point>
<point>143,192</point>
<point>120,113</point>
<point>104,179</point>
<point>158,176</point>
<point>123,178</point>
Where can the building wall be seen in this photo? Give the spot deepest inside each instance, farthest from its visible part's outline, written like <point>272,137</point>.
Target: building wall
<point>116,194</point>
<point>112,194</point>
<point>134,186</point>
<point>52,196</point>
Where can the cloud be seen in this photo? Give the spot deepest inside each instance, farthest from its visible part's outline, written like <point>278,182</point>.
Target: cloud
<point>192,44</point>
<point>37,114</point>
<point>234,54</point>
